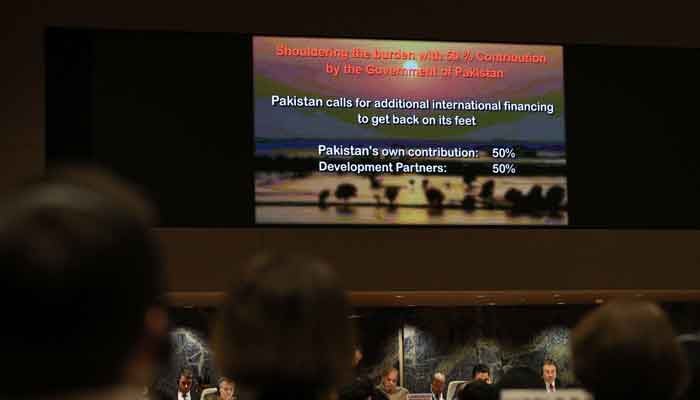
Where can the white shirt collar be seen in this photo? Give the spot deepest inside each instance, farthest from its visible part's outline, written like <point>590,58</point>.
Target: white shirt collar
<point>187,396</point>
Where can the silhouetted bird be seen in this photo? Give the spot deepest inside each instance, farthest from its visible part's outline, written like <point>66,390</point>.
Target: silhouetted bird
<point>345,191</point>
<point>469,202</point>
<point>554,197</point>
<point>517,200</point>
<point>435,197</point>
<point>535,200</point>
<point>391,193</point>
<point>487,189</point>
<point>468,176</point>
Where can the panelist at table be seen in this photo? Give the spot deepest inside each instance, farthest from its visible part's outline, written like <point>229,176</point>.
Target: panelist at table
<point>389,388</point>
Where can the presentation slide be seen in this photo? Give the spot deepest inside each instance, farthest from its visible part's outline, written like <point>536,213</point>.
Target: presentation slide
<point>384,132</point>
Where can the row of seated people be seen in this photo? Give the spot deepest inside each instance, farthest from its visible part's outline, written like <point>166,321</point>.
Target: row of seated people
<point>388,389</point>
<point>83,281</point>
<point>482,374</point>
<point>187,390</point>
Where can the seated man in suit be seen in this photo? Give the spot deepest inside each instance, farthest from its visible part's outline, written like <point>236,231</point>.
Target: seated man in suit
<point>481,372</point>
<point>185,390</point>
<point>437,386</point>
<point>226,389</point>
<point>389,388</point>
<point>549,375</point>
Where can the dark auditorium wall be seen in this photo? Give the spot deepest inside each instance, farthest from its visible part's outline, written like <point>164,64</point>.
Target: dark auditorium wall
<point>452,341</point>
<point>401,259</point>
<point>449,340</point>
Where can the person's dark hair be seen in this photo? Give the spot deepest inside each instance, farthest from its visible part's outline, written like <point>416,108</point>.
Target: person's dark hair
<point>630,341</point>
<point>80,268</point>
<point>478,368</point>
<point>549,361</point>
<point>478,390</point>
<point>284,321</point>
<point>388,370</point>
<point>222,380</point>
<point>520,378</point>
<point>186,372</point>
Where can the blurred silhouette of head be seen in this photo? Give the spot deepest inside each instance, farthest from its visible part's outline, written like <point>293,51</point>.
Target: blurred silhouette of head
<point>691,345</point>
<point>284,327</point>
<point>82,278</point>
<point>478,390</point>
<point>520,378</point>
<point>618,349</point>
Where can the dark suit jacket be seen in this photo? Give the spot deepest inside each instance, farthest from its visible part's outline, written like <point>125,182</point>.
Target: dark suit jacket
<point>557,384</point>
<point>436,396</point>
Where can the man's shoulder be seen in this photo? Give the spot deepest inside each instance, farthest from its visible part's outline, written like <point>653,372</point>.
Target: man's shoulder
<point>402,390</point>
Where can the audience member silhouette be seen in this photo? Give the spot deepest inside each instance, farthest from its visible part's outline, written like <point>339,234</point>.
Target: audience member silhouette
<point>82,274</point>
<point>283,331</point>
<point>618,349</point>
<point>478,390</point>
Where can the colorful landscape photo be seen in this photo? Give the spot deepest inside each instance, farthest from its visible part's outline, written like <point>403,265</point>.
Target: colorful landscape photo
<point>524,184</point>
